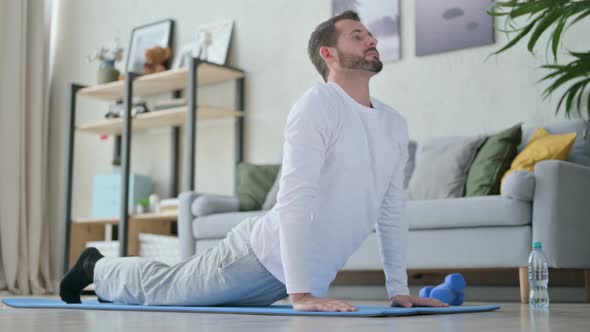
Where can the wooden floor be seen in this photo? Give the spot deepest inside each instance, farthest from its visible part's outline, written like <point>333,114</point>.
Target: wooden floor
<point>511,317</point>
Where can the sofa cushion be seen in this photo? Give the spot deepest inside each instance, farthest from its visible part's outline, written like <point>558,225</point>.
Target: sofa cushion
<point>492,161</point>
<point>271,196</point>
<point>441,167</point>
<point>217,225</point>
<point>254,182</point>
<point>542,146</point>
<point>482,211</point>
<point>580,153</point>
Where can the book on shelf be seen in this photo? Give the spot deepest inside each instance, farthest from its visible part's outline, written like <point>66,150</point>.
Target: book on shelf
<point>169,103</point>
<point>169,204</point>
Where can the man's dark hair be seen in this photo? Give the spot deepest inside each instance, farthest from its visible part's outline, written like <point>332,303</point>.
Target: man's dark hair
<point>325,35</point>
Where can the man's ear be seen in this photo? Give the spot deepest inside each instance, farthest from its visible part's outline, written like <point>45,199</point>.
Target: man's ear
<point>327,53</point>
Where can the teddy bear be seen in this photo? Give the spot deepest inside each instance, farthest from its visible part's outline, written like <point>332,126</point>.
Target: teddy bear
<point>155,59</point>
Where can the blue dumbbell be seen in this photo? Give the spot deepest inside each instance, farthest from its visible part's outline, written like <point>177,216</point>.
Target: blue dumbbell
<point>452,291</point>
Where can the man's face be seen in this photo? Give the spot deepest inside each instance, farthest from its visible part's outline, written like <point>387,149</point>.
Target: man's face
<point>356,47</point>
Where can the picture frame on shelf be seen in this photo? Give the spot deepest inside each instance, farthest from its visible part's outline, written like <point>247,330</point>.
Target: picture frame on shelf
<point>213,40</point>
<point>182,57</point>
<point>146,36</point>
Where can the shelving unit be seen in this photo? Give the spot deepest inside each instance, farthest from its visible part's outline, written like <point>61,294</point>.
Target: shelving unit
<point>169,117</point>
<point>199,73</point>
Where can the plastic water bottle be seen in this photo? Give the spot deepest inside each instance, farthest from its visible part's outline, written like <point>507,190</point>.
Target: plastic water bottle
<point>538,278</point>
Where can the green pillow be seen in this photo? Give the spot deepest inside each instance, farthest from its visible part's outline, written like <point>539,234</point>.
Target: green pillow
<point>254,182</point>
<point>492,161</point>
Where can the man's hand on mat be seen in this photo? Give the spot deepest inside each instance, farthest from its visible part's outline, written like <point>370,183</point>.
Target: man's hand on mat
<point>307,302</point>
<point>408,301</point>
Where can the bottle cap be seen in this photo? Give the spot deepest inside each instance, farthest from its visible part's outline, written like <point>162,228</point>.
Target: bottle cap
<point>537,245</point>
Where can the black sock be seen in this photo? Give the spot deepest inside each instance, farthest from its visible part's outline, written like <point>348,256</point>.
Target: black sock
<point>79,276</point>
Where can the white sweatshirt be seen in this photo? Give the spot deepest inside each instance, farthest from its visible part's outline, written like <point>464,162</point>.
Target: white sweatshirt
<point>342,177</point>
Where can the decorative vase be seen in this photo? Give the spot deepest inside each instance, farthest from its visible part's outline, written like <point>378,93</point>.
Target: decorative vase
<point>107,74</point>
<point>139,209</point>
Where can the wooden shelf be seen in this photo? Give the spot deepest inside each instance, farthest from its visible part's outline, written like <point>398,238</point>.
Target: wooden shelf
<point>84,230</point>
<point>156,119</point>
<point>162,82</point>
<point>160,216</point>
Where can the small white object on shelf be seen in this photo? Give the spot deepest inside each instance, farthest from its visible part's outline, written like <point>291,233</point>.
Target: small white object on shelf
<point>154,203</point>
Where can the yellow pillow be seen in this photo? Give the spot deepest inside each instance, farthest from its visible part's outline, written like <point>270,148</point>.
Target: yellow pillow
<point>542,146</point>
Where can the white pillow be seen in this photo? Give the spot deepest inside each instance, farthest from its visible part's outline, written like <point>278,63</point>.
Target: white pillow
<point>519,185</point>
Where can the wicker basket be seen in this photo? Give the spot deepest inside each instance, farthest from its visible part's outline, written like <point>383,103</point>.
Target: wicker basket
<point>163,248</point>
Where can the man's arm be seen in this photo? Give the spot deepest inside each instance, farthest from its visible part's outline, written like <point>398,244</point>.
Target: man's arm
<point>306,138</point>
<point>392,229</point>
<point>308,133</point>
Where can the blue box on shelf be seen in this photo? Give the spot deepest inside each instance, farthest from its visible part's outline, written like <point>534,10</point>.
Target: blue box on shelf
<point>106,193</point>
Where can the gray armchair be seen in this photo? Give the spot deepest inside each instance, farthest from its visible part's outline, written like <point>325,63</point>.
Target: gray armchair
<point>205,219</point>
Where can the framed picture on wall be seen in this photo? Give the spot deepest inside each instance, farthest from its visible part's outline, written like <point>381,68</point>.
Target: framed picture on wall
<point>381,17</point>
<point>147,36</point>
<point>443,26</point>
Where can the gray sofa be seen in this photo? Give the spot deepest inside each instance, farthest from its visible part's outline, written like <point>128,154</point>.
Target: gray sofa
<point>458,233</point>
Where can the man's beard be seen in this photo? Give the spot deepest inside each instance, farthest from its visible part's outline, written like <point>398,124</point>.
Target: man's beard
<point>351,61</point>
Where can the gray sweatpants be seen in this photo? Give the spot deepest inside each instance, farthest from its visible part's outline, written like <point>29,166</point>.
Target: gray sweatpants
<point>228,274</point>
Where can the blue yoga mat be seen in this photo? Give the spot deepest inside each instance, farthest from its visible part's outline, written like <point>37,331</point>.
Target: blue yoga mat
<point>285,310</point>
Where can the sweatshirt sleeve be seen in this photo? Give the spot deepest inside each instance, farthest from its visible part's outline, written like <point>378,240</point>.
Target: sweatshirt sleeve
<point>392,226</point>
<point>307,135</point>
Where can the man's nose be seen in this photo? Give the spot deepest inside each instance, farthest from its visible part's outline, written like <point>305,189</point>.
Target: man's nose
<point>372,41</point>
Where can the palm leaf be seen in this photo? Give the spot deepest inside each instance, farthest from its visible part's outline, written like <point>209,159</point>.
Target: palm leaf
<point>519,37</point>
<point>571,92</point>
<point>544,78</point>
<point>559,103</point>
<point>529,8</point>
<point>542,15</point>
<point>547,20</point>
<point>581,56</point>
<point>581,16</point>
<point>560,81</point>
<point>557,35</point>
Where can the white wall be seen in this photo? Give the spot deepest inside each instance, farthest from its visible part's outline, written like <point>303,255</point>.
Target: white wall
<point>456,93</point>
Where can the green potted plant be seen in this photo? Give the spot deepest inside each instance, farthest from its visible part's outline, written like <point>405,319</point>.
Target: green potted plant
<point>552,17</point>
<point>142,206</point>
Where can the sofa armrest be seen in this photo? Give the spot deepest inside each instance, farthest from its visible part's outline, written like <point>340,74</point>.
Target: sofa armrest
<point>205,205</point>
<point>186,237</point>
<point>561,213</point>
<point>192,205</point>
